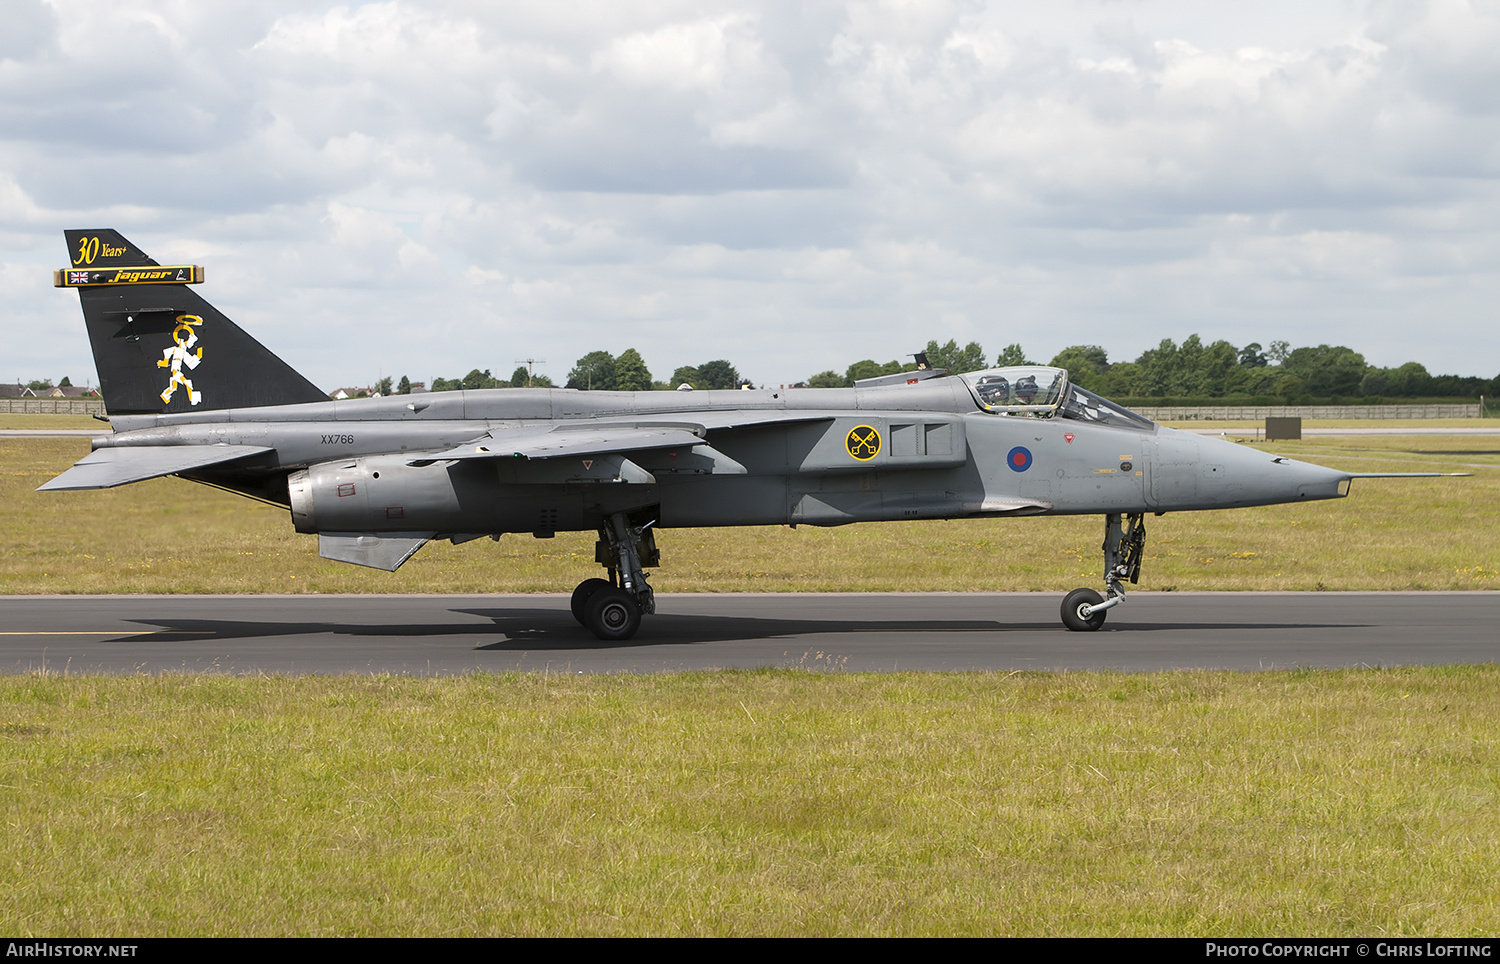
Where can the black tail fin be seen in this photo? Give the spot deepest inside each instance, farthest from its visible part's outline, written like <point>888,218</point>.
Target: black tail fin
<point>158,346</point>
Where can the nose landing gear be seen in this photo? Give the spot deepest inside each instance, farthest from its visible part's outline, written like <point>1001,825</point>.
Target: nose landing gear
<point>1083,610</point>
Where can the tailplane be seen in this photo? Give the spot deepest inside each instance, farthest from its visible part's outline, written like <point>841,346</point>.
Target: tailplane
<point>158,346</point>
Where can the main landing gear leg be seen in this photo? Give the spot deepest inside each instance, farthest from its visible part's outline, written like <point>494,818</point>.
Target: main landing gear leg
<point>611,609</point>
<point>1083,610</point>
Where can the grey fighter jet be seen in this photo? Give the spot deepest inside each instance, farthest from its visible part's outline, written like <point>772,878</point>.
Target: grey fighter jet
<point>191,394</point>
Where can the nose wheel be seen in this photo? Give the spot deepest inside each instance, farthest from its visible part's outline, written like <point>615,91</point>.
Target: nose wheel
<point>1083,610</point>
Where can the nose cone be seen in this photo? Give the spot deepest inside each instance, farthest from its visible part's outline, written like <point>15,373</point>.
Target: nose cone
<point>1207,473</point>
<point>1317,481</point>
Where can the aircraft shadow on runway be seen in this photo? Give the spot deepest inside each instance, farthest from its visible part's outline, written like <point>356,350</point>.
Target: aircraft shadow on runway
<point>534,630</point>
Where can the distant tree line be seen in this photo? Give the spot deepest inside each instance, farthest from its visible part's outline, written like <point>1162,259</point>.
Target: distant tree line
<point>520,378</point>
<point>42,384</point>
<point>597,371</point>
<point>1189,371</point>
<point>601,371</point>
<point>969,358</point>
<point>1194,370</point>
<point>1279,372</point>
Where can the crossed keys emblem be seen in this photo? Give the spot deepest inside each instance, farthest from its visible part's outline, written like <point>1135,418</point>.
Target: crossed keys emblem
<point>863,442</point>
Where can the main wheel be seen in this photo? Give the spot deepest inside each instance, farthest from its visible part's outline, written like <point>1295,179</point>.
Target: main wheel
<point>583,594</point>
<point>1072,615</point>
<point>613,614</point>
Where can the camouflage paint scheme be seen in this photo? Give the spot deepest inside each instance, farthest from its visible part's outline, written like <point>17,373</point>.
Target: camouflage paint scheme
<point>191,394</point>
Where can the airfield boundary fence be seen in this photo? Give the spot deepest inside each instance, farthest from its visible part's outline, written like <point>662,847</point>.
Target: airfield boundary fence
<point>52,406</point>
<point>1259,412</point>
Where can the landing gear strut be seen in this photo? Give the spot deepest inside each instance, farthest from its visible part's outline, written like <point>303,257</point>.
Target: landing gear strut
<point>612,608</point>
<point>1083,610</point>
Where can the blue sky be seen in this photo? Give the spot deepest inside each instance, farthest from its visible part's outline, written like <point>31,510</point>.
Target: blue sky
<point>425,188</point>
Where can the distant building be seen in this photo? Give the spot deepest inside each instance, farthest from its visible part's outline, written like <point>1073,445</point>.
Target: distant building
<point>65,391</point>
<point>338,394</point>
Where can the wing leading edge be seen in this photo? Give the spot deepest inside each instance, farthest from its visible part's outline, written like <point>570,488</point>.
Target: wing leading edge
<point>596,440</point>
<point>588,438</point>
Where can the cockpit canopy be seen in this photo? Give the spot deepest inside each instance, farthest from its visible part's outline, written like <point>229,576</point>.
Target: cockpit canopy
<point>1038,391</point>
<point>1022,390</point>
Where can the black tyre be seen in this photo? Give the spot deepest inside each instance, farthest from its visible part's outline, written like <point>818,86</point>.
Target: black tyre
<point>613,614</point>
<point>583,594</point>
<point>1076,620</point>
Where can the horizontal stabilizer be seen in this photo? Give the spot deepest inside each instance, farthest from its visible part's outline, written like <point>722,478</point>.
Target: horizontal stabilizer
<point>378,550</point>
<point>108,467</point>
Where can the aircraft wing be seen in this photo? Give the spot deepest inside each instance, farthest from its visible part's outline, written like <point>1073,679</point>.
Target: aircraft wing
<point>567,441</point>
<point>108,467</point>
<point>745,418</point>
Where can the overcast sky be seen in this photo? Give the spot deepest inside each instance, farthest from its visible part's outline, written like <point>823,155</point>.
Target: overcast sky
<point>421,188</point>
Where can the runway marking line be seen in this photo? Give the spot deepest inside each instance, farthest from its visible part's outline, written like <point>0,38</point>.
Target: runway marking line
<point>109,632</point>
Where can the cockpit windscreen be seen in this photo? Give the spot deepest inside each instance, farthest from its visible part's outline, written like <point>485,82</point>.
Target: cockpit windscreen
<point>1091,408</point>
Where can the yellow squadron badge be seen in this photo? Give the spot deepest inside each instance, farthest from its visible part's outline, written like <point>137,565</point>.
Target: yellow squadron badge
<point>863,442</point>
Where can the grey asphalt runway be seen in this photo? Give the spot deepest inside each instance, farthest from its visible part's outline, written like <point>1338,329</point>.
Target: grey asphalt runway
<point>433,635</point>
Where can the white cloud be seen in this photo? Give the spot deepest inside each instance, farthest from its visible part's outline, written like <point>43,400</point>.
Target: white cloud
<point>682,56</point>
<point>427,183</point>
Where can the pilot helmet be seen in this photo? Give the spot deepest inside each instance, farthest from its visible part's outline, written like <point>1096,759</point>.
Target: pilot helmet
<point>1026,388</point>
<point>993,389</point>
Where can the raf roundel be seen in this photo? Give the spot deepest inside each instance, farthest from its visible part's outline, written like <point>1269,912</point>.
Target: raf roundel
<point>1019,459</point>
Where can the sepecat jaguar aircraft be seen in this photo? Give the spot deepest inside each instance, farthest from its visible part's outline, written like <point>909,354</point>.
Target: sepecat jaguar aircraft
<point>191,394</point>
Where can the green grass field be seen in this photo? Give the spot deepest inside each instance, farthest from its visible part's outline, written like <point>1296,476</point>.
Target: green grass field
<point>169,535</point>
<point>52,423</point>
<point>773,802</point>
<point>769,802</point>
